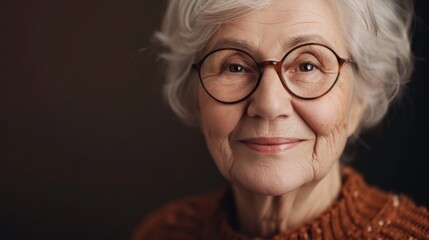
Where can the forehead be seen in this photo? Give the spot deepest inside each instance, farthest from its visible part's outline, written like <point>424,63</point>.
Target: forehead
<point>282,25</point>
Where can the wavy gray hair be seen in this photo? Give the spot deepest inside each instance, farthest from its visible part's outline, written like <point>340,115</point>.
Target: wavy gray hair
<point>376,33</point>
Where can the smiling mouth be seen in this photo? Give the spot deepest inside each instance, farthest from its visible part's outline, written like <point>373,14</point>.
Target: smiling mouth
<point>270,145</point>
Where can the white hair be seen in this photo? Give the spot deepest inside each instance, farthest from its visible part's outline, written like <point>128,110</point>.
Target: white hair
<point>376,33</point>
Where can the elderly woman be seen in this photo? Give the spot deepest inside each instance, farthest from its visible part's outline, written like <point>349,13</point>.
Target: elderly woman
<point>279,87</point>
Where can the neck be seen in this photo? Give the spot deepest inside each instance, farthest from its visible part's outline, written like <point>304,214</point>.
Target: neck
<point>264,215</point>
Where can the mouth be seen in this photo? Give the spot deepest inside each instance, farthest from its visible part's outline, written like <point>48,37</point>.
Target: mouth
<point>270,145</point>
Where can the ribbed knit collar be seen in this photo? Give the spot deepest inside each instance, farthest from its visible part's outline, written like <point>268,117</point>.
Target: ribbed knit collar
<point>358,210</point>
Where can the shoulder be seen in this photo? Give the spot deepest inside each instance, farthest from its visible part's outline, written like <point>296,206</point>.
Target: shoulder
<point>377,214</point>
<point>403,219</point>
<point>185,218</point>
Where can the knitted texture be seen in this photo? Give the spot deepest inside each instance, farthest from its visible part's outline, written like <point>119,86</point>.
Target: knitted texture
<point>360,212</point>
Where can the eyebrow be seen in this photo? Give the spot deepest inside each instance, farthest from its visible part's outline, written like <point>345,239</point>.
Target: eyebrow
<point>292,42</point>
<point>311,38</point>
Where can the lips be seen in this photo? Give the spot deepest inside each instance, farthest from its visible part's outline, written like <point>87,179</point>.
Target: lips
<point>270,145</point>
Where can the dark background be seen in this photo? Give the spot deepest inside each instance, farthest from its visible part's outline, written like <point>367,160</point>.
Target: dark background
<point>88,146</point>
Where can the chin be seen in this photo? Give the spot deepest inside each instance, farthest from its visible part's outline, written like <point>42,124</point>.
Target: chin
<point>271,182</point>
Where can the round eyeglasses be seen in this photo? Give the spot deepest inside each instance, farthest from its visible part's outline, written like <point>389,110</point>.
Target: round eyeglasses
<point>307,71</point>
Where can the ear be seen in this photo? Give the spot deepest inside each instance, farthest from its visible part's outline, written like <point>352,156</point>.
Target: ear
<point>358,107</point>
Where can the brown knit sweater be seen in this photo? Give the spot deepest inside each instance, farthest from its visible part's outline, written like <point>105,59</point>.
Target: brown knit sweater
<point>360,212</point>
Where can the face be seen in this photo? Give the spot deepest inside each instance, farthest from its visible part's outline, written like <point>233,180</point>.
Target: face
<point>272,142</point>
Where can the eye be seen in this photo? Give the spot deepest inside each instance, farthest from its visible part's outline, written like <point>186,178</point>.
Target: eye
<point>235,68</point>
<point>307,67</point>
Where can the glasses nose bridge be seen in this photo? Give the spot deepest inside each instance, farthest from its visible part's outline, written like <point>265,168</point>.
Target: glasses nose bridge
<point>275,64</point>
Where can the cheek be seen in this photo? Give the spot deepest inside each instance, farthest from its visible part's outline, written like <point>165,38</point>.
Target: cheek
<point>328,113</point>
<point>218,121</point>
<point>328,119</point>
<point>323,118</point>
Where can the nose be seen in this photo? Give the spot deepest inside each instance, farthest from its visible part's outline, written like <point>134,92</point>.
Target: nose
<point>271,99</point>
